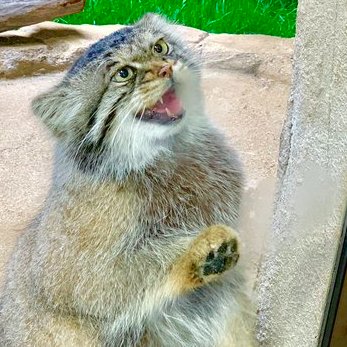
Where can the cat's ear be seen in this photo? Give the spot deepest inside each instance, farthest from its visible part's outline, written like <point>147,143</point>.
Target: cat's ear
<point>59,108</point>
<point>150,19</point>
<point>66,108</point>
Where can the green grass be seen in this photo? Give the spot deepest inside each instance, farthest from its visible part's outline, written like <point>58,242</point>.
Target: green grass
<point>271,17</point>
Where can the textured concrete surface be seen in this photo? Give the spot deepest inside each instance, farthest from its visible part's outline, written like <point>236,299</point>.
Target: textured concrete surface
<point>246,82</point>
<point>311,202</point>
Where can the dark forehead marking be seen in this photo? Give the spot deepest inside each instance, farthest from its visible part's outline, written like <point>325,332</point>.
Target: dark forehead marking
<point>98,49</point>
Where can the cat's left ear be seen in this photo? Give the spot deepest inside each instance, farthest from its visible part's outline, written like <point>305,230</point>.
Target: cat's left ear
<point>57,109</point>
<point>67,107</point>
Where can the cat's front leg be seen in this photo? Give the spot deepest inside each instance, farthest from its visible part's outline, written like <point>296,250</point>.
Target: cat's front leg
<point>214,251</point>
<point>201,260</point>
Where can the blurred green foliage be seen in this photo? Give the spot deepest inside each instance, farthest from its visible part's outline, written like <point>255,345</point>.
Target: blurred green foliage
<point>271,17</point>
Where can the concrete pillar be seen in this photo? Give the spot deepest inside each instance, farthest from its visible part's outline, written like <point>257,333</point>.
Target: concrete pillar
<point>311,199</point>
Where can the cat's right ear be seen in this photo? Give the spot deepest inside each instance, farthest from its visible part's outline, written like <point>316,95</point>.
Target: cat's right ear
<point>55,108</point>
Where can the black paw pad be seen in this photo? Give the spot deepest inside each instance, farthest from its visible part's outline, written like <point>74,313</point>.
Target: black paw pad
<point>221,259</point>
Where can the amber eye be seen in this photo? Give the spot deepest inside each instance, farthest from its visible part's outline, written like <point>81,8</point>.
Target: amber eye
<point>161,47</point>
<point>124,74</point>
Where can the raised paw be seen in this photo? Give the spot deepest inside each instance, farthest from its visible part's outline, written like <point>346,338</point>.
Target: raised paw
<point>214,251</point>
<point>220,259</point>
<point>211,253</point>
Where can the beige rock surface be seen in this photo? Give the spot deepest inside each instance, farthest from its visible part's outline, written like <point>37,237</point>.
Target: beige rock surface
<point>246,81</point>
<point>17,13</point>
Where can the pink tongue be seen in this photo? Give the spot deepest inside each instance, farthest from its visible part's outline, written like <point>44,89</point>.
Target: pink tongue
<point>171,104</point>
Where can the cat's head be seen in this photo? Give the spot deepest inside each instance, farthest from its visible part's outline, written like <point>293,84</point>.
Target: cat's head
<point>124,101</point>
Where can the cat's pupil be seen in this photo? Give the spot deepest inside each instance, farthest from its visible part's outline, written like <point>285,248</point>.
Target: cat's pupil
<point>124,73</point>
<point>158,48</point>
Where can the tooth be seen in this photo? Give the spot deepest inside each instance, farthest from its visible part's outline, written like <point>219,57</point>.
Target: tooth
<point>168,111</point>
<point>161,100</point>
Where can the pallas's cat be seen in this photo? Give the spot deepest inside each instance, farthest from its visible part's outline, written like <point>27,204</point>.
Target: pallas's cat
<point>135,245</point>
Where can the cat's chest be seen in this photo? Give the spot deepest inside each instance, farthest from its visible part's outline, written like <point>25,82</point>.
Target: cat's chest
<point>192,195</point>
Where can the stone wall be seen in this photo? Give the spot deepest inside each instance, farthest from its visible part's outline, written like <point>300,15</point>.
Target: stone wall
<point>312,189</point>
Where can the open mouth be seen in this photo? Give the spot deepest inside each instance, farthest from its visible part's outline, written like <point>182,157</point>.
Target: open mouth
<point>168,109</point>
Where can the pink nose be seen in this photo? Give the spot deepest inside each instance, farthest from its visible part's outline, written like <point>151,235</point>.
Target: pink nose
<point>165,71</point>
